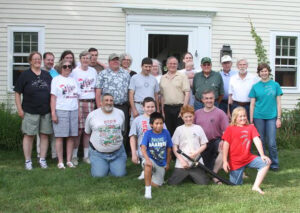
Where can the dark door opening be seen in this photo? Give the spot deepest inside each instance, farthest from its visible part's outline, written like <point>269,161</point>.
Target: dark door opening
<point>161,47</point>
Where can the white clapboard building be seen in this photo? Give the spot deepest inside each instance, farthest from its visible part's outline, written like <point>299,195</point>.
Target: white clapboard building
<point>154,28</point>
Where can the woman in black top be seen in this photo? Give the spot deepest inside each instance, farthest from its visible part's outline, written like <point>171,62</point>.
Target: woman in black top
<point>34,86</point>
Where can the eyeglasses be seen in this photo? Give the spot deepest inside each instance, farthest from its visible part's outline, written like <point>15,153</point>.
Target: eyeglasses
<point>67,66</point>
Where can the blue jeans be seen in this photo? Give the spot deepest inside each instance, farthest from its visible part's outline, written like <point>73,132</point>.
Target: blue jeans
<point>267,130</point>
<point>236,176</point>
<point>103,164</point>
<point>200,105</point>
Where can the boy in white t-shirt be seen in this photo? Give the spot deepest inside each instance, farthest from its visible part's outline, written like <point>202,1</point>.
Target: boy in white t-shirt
<point>138,127</point>
<point>191,139</point>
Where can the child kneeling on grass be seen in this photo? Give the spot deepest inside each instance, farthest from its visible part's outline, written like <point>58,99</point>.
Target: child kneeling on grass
<point>191,139</point>
<point>137,130</point>
<point>156,149</point>
<point>237,145</point>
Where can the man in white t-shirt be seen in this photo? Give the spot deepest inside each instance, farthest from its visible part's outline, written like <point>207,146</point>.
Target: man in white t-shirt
<point>85,76</point>
<point>104,126</point>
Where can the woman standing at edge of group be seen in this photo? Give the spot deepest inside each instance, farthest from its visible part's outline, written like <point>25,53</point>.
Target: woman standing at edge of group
<point>125,62</point>
<point>64,111</point>
<point>34,85</point>
<point>265,111</point>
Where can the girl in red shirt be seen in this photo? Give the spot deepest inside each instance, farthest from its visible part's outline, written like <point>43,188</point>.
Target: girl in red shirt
<point>236,150</point>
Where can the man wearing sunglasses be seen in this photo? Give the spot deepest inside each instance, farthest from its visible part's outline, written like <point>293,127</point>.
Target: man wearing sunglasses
<point>207,80</point>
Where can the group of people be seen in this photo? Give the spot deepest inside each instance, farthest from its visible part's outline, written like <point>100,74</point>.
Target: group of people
<point>113,110</point>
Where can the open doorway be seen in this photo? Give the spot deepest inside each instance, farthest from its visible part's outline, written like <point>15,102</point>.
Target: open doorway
<point>161,46</point>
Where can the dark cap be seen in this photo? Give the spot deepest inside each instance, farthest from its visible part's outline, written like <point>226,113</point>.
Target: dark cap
<point>205,60</point>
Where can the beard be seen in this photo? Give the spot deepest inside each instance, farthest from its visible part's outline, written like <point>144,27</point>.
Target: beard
<point>107,108</point>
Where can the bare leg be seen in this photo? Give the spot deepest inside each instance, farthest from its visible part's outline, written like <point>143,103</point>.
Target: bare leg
<point>53,146</point>
<point>86,139</point>
<point>259,179</point>
<point>44,144</point>
<point>27,146</point>
<point>77,139</point>
<point>59,149</point>
<point>148,175</point>
<point>218,165</point>
<point>70,144</point>
<point>38,148</point>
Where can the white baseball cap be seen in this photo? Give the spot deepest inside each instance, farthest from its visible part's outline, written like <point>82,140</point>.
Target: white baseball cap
<point>226,58</point>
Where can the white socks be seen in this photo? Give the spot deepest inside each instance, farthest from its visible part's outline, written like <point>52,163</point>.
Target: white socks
<point>85,152</point>
<point>148,192</point>
<point>75,151</point>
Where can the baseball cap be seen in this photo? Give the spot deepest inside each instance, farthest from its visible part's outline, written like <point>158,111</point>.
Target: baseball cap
<point>205,60</point>
<point>113,56</point>
<point>226,58</point>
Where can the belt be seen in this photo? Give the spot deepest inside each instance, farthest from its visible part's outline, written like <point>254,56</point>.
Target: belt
<point>123,104</point>
<point>173,105</point>
<point>138,102</point>
<point>93,148</point>
<point>241,103</point>
<point>87,100</point>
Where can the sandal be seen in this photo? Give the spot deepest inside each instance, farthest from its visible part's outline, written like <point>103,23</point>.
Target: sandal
<point>217,181</point>
<point>61,166</point>
<point>70,165</point>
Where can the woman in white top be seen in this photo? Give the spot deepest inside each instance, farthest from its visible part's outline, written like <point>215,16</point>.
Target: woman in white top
<point>64,111</point>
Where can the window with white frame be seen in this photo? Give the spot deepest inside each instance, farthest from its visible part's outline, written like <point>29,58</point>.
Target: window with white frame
<point>286,61</point>
<point>22,41</point>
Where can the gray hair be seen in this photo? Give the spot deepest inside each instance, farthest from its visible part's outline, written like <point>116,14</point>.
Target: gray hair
<point>60,65</point>
<point>155,61</point>
<point>106,94</point>
<point>84,53</point>
<point>123,56</point>
<point>171,57</point>
<point>241,59</point>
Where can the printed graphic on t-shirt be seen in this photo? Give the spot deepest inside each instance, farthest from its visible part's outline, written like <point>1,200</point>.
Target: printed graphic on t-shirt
<point>157,148</point>
<point>144,126</point>
<point>68,91</point>
<point>39,83</point>
<point>86,85</point>
<point>245,138</point>
<point>269,90</point>
<point>110,133</point>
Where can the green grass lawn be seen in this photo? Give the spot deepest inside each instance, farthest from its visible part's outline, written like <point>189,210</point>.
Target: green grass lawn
<point>74,190</point>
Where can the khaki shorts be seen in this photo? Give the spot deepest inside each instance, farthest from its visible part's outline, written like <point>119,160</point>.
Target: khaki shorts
<point>158,172</point>
<point>34,124</point>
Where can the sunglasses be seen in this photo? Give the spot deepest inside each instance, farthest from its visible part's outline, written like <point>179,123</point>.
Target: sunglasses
<point>67,66</point>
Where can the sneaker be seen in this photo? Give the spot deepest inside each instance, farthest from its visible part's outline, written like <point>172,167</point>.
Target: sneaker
<point>87,160</point>
<point>75,161</point>
<point>28,165</point>
<point>70,165</point>
<point>141,177</point>
<point>43,164</point>
<point>148,196</point>
<point>61,166</point>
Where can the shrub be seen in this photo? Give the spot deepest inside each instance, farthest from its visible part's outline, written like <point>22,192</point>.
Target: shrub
<point>289,133</point>
<point>10,131</point>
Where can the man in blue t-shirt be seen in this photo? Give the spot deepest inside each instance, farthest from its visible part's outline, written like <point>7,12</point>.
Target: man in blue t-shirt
<point>156,148</point>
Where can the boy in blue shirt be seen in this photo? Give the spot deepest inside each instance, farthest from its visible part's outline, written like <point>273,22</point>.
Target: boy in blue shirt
<point>156,148</point>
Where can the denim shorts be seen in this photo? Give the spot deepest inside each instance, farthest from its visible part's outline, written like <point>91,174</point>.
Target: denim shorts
<point>236,176</point>
<point>67,123</point>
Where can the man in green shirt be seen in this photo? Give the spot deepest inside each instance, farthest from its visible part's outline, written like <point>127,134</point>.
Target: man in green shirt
<point>207,80</point>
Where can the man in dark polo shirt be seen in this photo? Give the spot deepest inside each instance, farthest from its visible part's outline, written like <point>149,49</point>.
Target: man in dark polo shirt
<point>207,80</point>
